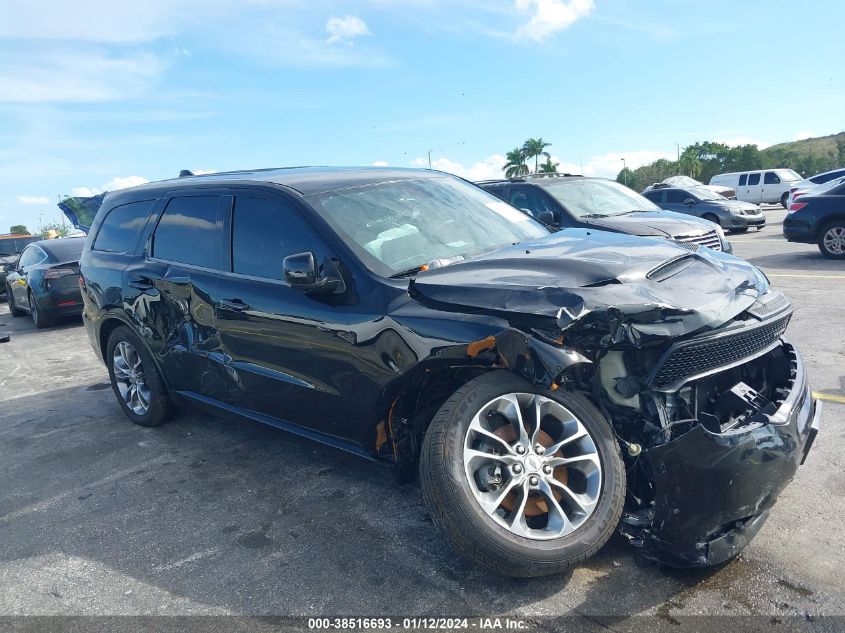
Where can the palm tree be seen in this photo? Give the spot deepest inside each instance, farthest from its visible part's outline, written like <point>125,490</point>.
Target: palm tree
<point>689,163</point>
<point>516,163</point>
<point>548,167</point>
<point>534,148</point>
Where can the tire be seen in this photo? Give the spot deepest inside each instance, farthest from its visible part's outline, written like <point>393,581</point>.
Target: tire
<point>136,381</point>
<point>14,310</point>
<point>832,240</point>
<point>783,200</point>
<point>745,230</point>
<point>39,317</point>
<point>484,536</point>
<point>709,216</point>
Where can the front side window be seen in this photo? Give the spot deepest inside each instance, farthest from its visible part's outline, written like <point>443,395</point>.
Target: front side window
<point>400,225</point>
<point>677,196</point>
<point>120,228</point>
<point>264,232</point>
<point>598,198</point>
<point>753,179</point>
<point>189,232</point>
<point>771,178</point>
<point>531,200</point>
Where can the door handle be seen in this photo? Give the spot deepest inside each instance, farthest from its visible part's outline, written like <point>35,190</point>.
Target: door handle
<point>140,282</point>
<point>236,305</point>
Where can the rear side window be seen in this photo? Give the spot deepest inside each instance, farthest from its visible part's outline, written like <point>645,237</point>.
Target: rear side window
<point>120,228</point>
<point>264,232</point>
<point>820,180</point>
<point>771,178</point>
<point>753,179</point>
<point>743,179</point>
<point>31,256</point>
<point>189,232</point>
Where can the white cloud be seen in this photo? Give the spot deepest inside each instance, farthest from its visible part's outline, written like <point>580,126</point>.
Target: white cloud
<point>380,163</point>
<point>33,199</point>
<point>74,73</point>
<point>804,135</point>
<point>345,28</point>
<point>490,167</point>
<point>550,16</point>
<point>118,182</point>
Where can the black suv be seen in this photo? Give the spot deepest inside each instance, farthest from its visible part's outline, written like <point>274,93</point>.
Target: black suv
<point>566,201</point>
<point>546,385</point>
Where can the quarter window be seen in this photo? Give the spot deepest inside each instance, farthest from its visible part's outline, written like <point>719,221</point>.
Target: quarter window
<point>264,232</point>
<point>753,179</point>
<point>743,179</point>
<point>771,178</point>
<point>120,229</point>
<point>189,232</point>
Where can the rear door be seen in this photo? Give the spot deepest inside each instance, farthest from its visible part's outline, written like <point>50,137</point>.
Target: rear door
<point>290,353</point>
<point>172,290</point>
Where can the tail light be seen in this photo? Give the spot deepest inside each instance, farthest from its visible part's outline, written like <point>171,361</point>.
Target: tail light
<point>797,206</point>
<point>58,273</point>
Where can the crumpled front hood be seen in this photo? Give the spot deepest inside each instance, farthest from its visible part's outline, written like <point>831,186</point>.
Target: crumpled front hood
<point>654,224</point>
<point>632,288</point>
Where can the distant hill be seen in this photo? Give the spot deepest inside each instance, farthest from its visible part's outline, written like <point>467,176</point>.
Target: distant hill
<point>810,155</point>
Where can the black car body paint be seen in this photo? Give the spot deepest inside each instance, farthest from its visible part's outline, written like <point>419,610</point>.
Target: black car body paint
<point>365,366</point>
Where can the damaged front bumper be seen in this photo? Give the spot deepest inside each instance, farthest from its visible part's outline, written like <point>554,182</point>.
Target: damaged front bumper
<point>713,491</point>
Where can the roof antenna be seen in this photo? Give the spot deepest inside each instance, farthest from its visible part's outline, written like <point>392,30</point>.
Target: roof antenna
<point>185,172</point>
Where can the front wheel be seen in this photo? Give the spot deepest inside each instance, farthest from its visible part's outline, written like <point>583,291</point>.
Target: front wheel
<point>832,240</point>
<point>524,481</point>
<point>135,380</point>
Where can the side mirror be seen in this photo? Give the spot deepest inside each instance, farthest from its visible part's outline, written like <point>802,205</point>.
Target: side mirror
<point>546,217</point>
<point>689,201</point>
<point>527,211</point>
<point>301,273</point>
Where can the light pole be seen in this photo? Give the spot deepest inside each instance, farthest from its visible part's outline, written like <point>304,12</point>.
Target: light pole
<point>625,171</point>
<point>429,159</point>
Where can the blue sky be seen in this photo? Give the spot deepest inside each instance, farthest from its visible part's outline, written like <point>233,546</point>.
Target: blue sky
<point>97,95</point>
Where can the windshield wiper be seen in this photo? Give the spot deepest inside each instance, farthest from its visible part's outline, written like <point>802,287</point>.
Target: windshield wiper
<point>406,273</point>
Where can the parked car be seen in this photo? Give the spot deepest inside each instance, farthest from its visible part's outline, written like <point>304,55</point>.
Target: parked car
<point>11,246</point>
<point>44,281</point>
<point>819,218</point>
<point>579,202</point>
<point>685,182</point>
<point>808,184</point>
<point>759,186</point>
<point>732,215</point>
<point>545,384</point>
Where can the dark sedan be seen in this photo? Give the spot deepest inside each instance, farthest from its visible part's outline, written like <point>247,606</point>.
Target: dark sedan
<point>566,201</point>
<point>819,219</point>
<point>733,215</point>
<point>11,247</point>
<point>44,281</point>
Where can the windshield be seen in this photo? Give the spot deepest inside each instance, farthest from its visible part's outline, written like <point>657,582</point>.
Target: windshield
<point>707,194</point>
<point>788,174</point>
<point>598,198</point>
<point>404,224</point>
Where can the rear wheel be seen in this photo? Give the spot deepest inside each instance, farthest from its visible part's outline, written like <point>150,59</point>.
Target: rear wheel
<point>524,481</point>
<point>832,240</point>
<point>135,379</point>
<point>39,316</point>
<point>14,310</point>
<point>783,199</point>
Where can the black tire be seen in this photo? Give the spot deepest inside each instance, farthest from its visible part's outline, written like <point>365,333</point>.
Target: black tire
<point>452,506</point>
<point>14,310</point>
<point>783,200</point>
<point>832,226</point>
<point>160,406</point>
<point>714,219</point>
<point>745,230</point>
<point>40,317</point>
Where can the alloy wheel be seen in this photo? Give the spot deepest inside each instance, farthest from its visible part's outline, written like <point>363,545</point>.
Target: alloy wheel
<point>532,466</point>
<point>129,376</point>
<point>834,240</point>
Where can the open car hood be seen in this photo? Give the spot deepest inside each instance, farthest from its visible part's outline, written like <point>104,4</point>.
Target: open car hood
<point>634,289</point>
<point>81,211</point>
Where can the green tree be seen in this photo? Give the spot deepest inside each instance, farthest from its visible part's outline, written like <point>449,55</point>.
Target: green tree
<point>534,148</point>
<point>628,178</point>
<point>516,163</point>
<point>548,167</point>
<point>61,229</point>
<point>19,229</point>
<point>690,164</point>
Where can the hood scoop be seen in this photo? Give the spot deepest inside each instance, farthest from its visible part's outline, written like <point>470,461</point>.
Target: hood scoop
<point>671,268</point>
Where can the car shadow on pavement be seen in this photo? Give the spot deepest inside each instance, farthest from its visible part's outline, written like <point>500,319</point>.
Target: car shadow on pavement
<point>784,263</point>
<point>233,516</point>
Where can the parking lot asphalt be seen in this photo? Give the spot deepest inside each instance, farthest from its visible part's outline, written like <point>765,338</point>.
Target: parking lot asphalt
<point>207,515</point>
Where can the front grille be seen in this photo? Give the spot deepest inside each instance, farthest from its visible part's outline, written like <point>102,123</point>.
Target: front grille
<point>696,357</point>
<point>709,239</point>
